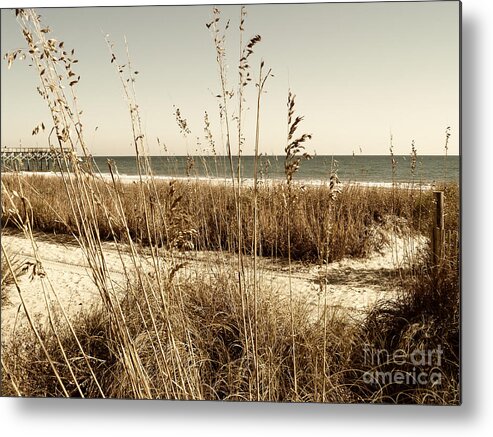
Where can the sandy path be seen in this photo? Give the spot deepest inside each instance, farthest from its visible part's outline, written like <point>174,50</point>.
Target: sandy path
<point>351,284</point>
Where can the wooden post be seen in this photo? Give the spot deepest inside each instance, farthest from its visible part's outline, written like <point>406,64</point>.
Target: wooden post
<point>438,229</point>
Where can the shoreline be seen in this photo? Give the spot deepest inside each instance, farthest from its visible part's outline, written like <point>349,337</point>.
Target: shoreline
<point>246,182</point>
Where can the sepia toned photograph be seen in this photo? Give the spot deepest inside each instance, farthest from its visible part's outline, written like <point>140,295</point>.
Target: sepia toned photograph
<point>254,203</point>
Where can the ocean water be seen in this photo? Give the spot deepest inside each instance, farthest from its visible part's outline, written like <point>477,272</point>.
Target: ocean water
<point>359,168</point>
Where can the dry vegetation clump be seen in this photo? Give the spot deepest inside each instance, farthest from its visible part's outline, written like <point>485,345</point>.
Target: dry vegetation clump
<point>425,318</point>
<point>204,215</point>
<point>202,350</point>
<point>26,370</point>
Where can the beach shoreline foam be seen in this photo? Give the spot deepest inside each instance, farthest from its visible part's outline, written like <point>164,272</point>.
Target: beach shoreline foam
<point>246,182</point>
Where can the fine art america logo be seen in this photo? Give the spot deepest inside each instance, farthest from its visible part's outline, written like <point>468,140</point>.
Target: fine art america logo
<point>418,367</point>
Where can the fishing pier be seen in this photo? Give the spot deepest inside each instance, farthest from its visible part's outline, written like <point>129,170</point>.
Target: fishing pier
<point>33,158</point>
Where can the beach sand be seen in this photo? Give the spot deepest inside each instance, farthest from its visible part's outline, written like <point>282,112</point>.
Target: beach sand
<point>353,285</point>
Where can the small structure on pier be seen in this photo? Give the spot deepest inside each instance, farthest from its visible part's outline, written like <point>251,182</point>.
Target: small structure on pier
<point>33,158</point>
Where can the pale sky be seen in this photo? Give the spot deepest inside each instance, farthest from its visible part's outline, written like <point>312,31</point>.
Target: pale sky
<point>359,70</point>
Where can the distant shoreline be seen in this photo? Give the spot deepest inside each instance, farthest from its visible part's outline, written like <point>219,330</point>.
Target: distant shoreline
<point>246,182</point>
<point>374,170</point>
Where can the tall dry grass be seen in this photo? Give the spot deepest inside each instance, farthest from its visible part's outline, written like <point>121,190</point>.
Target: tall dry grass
<point>205,320</point>
<point>203,215</point>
